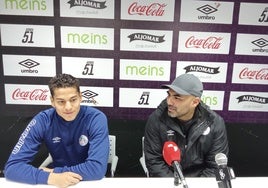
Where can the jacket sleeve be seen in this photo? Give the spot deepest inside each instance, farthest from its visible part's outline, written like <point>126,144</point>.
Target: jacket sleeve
<point>18,167</point>
<point>155,163</point>
<point>219,145</point>
<point>95,166</point>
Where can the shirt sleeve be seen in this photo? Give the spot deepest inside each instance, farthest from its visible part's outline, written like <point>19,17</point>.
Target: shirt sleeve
<point>23,154</point>
<point>220,145</point>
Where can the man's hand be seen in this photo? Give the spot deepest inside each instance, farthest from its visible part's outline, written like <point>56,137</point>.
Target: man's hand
<point>64,179</point>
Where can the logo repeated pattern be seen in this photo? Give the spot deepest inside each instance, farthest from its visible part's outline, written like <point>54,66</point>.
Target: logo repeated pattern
<point>123,55</point>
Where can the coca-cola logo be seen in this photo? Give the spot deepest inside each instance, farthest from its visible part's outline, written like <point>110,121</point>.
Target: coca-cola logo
<point>261,74</point>
<point>34,95</point>
<point>207,43</point>
<point>154,9</point>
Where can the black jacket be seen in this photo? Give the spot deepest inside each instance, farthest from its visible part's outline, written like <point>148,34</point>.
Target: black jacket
<point>206,137</point>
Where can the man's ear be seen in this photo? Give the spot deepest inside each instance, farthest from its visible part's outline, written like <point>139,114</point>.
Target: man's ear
<point>52,101</point>
<point>196,101</point>
<point>80,96</point>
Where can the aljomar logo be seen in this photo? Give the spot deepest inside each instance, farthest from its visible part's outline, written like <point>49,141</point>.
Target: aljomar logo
<point>200,68</point>
<point>146,37</point>
<point>252,98</point>
<point>26,4</point>
<point>87,3</point>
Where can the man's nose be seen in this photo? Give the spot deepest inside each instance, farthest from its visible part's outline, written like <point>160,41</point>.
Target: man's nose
<point>169,100</point>
<point>68,105</point>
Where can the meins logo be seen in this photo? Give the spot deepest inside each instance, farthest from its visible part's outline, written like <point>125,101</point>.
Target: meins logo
<point>87,3</point>
<point>87,38</point>
<point>207,9</point>
<point>28,63</point>
<point>261,74</point>
<point>145,70</point>
<point>200,68</point>
<point>25,4</point>
<point>210,100</point>
<point>89,95</point>
<point>154,9</point>
<point>34,95</point>
<point>146,37</point>
<point>206,43</point>
<point>252,98</point>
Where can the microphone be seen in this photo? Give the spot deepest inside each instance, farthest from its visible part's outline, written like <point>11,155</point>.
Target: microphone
<point>172,156</point>
<point>224,174</point>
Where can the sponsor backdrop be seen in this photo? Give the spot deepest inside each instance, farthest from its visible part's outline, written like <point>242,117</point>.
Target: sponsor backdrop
<point>122,51</point>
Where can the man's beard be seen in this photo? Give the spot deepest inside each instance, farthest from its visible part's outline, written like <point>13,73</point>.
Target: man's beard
<point>172,115</point>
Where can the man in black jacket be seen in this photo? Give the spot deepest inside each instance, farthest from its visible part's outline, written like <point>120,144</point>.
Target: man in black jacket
<point>183,118</point>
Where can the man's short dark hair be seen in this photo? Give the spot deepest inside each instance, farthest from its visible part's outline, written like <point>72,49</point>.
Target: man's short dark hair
<point>63,81</point>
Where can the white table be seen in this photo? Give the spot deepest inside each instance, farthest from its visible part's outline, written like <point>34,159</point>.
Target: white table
<point>240,182</point>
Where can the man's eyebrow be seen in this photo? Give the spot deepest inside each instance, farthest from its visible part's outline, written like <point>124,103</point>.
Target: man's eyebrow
<point>59,99</point>
<point>176,94</point>
<point>64,99</point>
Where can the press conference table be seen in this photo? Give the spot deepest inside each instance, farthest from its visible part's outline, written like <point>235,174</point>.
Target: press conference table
<point>116,182</point>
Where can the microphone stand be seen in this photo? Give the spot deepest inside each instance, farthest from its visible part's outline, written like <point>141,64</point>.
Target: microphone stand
<point>224,175</point>
<point>176,178</point>
<point>178,175</point>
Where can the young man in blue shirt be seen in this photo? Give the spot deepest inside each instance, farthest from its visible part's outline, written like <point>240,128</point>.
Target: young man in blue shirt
<point>75,136</point>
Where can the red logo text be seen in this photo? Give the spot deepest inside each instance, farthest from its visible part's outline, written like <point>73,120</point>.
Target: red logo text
<point>155,9</point>
<point>35,95</point>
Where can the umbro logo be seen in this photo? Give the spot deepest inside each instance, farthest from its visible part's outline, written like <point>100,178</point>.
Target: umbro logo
<point>56,139</point>
<point>89,94</point>
<point>261,42</point>
<point>207,9</point>
<point>28,63</point>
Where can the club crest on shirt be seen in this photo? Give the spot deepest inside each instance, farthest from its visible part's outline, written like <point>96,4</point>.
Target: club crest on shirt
<point>83,140</point>
<point>207,131</point>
